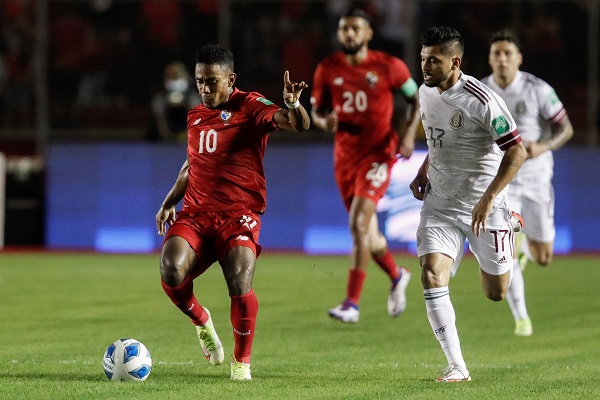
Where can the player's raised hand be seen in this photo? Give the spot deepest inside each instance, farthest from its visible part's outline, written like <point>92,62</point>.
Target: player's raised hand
<point>292,90</point>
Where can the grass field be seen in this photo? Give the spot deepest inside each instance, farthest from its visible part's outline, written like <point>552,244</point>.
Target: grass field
<point>59,312</point>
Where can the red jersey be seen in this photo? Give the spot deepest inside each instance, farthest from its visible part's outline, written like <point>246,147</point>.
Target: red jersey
<point>363,96</point>
<point>225,152</point>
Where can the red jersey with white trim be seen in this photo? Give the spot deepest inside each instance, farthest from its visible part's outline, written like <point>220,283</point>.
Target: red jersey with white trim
<point>363,96</point>
<point>225,152</point>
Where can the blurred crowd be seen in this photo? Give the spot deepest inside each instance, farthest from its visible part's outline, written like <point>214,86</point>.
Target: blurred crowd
<point>115,64</point>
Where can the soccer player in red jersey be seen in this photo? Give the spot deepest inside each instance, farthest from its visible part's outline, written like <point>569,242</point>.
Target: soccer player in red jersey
<point>222,184</point>
<point>353,96</point>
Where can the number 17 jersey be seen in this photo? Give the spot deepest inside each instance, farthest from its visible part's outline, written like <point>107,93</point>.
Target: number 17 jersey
<point>467,128</point>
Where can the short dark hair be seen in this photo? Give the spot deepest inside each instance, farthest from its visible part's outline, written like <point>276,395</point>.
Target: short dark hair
<point>215,54</point>
<point>447,37</point>
<point>357,12</point>
<point>506,35</point>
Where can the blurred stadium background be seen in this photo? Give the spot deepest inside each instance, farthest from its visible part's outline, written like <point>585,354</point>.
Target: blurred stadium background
<point>83,110</point>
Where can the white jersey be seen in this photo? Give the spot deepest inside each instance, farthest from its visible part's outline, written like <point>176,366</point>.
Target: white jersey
<point>535,107</point>
<point>467,128</point>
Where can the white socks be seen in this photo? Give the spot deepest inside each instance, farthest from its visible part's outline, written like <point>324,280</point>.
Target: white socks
<point>516,293</point>
<point>442,319</point>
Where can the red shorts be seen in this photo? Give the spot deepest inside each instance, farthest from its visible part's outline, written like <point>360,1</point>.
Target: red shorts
<point>369,178</point>
<point>213,233</point>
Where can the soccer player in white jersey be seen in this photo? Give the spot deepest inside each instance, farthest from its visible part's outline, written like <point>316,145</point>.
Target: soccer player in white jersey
<point>544,127</point>
<point>474,152</point>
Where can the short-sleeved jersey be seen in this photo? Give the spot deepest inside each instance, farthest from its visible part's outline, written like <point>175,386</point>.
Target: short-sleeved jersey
<point>535,107</point>
<point>225,152</point>
<point>363,98</point>
<point>467,128</point>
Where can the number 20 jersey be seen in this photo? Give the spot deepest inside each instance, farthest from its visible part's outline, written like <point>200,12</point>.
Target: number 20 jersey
<point>363,98</point>
<point>467,128</point>
<point>225,151</point>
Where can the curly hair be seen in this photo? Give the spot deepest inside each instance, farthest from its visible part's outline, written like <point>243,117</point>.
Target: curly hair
<point>215,54</point>
<point>447,37</point>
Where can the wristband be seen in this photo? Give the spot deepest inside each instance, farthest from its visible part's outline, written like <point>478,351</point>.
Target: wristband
<point>293,105</point>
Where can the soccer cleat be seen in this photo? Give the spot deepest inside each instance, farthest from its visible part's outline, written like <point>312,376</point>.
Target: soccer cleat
<point>452,373</point>
<point>397,297</point>
<point>523,261</point>
<point>516,221</point>
<point>211,345</point>
<point>523,327</point>
<point>240,371</point>
<point>345,312</point>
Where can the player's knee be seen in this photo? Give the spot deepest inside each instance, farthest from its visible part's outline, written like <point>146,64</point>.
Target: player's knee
<point>496,294</point>
<point>544,259</point>
<point>171,271</point>
<point>378,245</point>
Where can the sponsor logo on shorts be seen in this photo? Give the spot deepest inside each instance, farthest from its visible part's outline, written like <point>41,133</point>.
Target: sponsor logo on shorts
<point>242,237</point>
<point>502,260</point>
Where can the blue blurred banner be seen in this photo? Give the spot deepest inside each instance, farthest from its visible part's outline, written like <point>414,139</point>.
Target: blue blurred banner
<point>105,197</point>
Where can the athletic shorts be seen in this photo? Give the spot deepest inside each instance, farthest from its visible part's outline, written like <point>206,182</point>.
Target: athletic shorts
<point>367,178</point>
<point>535,203</point>
<point>440,233</point>
<point>213,234</point>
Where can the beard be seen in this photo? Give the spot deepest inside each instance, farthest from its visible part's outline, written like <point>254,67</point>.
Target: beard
<point>351,50</point>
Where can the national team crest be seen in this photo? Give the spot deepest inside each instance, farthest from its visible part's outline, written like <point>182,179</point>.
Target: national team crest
<point>457,120</point>
<point>226,115</point>
<point>521,107</point>
<point>371,78</point>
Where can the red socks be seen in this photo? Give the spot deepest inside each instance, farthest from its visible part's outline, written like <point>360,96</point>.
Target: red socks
<point>387,263</point>
<point>183,297</point>
<point>356,278</point>
<point>244,309</point>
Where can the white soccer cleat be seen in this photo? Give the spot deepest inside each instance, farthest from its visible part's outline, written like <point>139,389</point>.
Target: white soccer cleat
<point>452,374</point>
<point>516,221</point>
<point>345,312</point>
<point>240,371</point>
<point>397,297</point>
<point>211,345</point>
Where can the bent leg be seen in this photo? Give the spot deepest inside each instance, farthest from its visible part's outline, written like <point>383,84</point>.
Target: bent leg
<point>380,252</point>
<point>176,262</point>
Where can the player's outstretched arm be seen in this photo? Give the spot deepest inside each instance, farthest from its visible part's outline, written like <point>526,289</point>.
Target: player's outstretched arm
<point>166,212</point>
<point>295,118</point>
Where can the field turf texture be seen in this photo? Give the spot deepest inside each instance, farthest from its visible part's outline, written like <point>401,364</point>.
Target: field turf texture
<point>60,311</point>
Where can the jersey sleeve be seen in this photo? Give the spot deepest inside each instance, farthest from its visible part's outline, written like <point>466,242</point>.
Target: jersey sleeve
<point>261,111</point>
<point>551,108</point>
<point>320,98</point>
<point>500,123</point>
<point>400,75</point>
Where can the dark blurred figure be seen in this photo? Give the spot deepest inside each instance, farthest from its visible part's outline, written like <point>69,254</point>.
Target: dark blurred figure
<point>170,106</point>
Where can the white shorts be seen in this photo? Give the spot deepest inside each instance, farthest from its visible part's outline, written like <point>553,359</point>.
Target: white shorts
<point>438,233</point>
<point>535,203</point>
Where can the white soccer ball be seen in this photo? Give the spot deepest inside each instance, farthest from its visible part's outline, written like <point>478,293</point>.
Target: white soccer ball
<point>127,360</point>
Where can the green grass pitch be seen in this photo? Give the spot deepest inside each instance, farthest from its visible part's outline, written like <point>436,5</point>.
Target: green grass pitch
<point>59,312</point>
